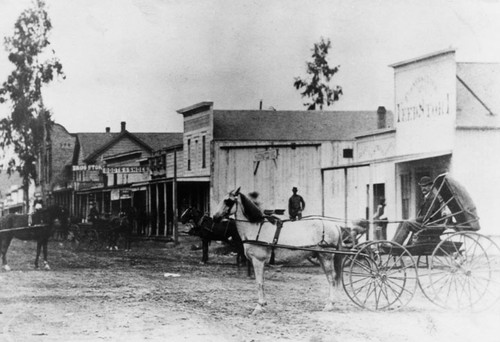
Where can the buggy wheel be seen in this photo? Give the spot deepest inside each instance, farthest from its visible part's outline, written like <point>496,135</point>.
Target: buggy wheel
<point>92,240</point>
<point>381,275</point>
<point>464,272</point>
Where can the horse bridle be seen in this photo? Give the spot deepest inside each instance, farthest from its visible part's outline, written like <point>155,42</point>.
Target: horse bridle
<point>229,202</point>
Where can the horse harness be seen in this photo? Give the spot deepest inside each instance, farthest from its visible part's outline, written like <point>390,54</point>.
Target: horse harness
<point>274,220</point>
<point>211,228</point>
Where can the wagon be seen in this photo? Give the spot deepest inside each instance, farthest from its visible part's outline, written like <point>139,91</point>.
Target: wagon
<point>96,235</point>
<point>454,266</point>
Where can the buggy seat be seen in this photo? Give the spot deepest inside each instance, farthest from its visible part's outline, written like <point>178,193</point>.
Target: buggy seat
<point>456,203</point>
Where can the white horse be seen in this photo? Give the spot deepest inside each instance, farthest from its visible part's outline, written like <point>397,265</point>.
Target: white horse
<point>303,237</point>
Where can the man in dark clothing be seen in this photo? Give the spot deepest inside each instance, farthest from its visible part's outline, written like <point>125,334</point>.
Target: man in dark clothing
<point>430,209</point>
<point>296,205</point>
<point>93,213</point>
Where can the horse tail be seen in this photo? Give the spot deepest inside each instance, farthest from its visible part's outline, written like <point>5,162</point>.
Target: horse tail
<point>337,260</point>
<point>337,266</point>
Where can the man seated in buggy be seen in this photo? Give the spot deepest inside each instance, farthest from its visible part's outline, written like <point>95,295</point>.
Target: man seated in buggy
<point>431,209</point>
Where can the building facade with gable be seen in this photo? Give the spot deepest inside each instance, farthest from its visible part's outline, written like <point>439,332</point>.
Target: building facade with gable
<point>113,169</point>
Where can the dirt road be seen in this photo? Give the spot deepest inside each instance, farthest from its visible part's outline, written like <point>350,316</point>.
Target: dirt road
<point>160,292</point>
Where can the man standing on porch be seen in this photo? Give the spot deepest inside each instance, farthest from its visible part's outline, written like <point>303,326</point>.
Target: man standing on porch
<point>296,205</point>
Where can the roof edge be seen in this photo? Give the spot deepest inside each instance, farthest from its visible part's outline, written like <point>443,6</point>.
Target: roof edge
<point>423,58</point>
<point>380,131</point>
<point>196,106</point>
<point>113,141</point>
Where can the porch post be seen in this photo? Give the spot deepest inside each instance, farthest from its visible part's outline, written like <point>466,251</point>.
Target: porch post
<point>345,196</point>
<point>174,202</point>
<point>157,210</point>
<point>148,208</point>
<point>370,204</point>
<point>165,214</point>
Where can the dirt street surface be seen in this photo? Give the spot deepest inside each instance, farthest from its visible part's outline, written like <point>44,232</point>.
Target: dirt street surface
<point>160,292</point>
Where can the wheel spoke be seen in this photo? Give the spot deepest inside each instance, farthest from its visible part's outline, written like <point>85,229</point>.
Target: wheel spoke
<point>379,277</point>
<point>464,272</point>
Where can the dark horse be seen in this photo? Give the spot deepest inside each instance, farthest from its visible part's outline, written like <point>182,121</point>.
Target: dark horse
<point>45,222</point>
<point>120,226</point>
<point>204,227</point>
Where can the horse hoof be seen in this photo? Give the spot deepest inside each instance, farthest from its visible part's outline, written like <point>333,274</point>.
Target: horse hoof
<point>6,268</point>
<point>46,266</point>
<point>328,307</point>
<point>258,309</point>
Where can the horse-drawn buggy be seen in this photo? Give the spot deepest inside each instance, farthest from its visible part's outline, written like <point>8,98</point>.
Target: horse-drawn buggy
<point>454,265</point>
<point>111,233</point>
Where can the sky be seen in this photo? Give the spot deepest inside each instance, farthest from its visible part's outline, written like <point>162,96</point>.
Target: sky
<point>140,61</point>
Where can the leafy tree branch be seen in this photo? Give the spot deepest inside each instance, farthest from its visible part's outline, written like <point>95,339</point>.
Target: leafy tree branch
<point>317,87</point>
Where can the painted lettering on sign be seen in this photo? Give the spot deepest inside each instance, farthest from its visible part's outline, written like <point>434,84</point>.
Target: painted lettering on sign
<point>118,169</point>
<point>87,167</point>
<point>125,169</point>
<point>124,194</point>
<point>423,110</point>
<point>266,155</point>
<point>422,101</point>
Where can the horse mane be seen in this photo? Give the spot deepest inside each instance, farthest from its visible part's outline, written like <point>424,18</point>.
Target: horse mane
<point>251,210</point>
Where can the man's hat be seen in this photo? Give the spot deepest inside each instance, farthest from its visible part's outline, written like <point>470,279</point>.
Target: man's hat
<point>253,194</point>
<point>294,189</point>
<point>425,181</point>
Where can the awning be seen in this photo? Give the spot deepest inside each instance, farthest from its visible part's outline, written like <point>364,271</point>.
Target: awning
<point>202,179</point>
<point>395,159</point>
<point>205,179</point>
<point>91,191</point>
<point>421,156</point>
<point>139,186</point>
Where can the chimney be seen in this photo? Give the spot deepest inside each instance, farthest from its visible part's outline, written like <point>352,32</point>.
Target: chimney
<point>381,119</point>
<point>108,129</point>
<point>124,124</point>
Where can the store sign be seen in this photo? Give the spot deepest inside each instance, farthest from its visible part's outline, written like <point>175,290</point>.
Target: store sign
<point>266,155</point>
<point>126,169</point>
<point>422,101</point>
<point>87,167</point>
<point>124,194</point>
<point>425,105</point>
